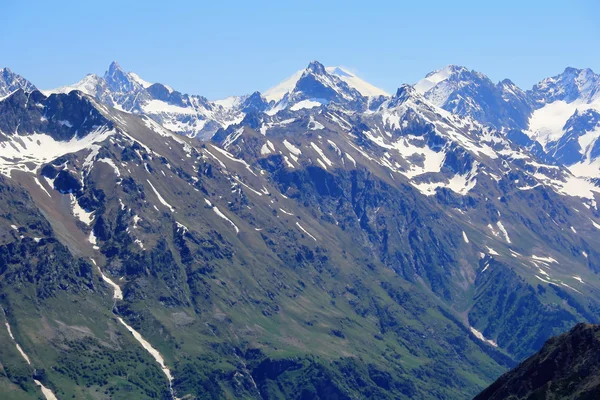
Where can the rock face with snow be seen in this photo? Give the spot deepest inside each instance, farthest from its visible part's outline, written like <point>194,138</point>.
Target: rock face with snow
<point>189,115</point>
<point>316,87</point>
<point>570,86</point>
<point>366,227</point>
<point>276,93</point>
<point>470,93</point>
<point>11,82</point>
<point>556,119</point>
<point>565,120</point>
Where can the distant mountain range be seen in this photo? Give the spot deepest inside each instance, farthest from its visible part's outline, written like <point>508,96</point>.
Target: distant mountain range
<point>324,239</point>
<point>558,119</point>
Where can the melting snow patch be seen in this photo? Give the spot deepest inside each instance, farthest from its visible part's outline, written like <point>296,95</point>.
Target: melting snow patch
<point>38,149</point>
<point>544,280</point>
<point>118,295</point>
<point>153,352</point>
<point>465,238</point>
<point>117,292</point>
<point>351,159</point>
<point>232,158</point>
<point>229,140</point>
<point>305,104</point>
<point>572,288</point>
<point>48,394</point>
<point>136,219</point>
<point>220,214</point>
<point>246,186</point>
<point>293,149</point>
<point>480,336</point>
<point>264,150</point>
<point>314,125</point>
<point>504,232</point>
<point>486,266</point>
<point>492,251</point>
<point>80,213</point>
<point>305,231</point>
<point>321,163</point>
<point>93,240</point>
<point>110,162</point>
<point>544,259</point>
<point>320,152</point>
<point>37,181</point>
<point>160,198</point>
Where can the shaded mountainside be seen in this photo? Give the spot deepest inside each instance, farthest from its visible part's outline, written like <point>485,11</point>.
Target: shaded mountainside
<point>567,367</point>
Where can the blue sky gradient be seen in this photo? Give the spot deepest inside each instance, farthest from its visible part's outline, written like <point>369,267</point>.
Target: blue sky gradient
<point>232,47</point>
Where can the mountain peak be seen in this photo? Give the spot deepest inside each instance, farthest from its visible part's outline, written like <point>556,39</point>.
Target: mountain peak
<point>113,67</point>
<point>316,67</point>
<point>572,84</point>
<point>9,82</point>
<point>405,91</point>
<point>572,71</point>
<point>433,78</point>
<point>119,80</point>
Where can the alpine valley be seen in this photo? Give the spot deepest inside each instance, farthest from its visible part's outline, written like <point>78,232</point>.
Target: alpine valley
<point>321,240</point>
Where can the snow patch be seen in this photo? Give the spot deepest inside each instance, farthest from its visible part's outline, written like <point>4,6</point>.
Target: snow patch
<point>160,198</point>
<point>480,336</point>
<point>305,231</point>
<point>465,238</point>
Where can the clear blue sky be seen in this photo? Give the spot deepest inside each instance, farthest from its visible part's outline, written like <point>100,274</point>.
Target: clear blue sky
<point>218,48</point>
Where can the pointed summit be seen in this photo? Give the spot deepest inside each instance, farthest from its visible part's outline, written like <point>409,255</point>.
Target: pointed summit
<point>114,67</point>
<point>316,68</point>
<point>9,82</point>
<point>405,91</point>
<point>118,80</point>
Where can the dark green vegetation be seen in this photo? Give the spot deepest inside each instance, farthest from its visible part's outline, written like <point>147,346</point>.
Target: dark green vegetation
<point>567,367</point>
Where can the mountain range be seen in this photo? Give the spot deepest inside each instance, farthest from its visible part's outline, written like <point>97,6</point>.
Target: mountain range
<point>324,239</point>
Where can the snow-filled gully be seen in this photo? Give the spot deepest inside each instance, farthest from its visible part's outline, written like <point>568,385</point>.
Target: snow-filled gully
<point>48,394</point>
<point>118,295</point>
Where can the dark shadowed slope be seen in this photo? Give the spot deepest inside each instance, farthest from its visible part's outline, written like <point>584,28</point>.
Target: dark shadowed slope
<point>567,367</point>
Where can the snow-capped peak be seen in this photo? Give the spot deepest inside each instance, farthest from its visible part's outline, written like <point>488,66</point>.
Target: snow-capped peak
<point>119,80</point>
<point>143,83</point>
<point>435,77</point>
<point>277,92</point>
<point>10,82</point>
<point>573,84</point>
<point>315,67</point>
<point>88,85</point>
<point>365,88</point>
